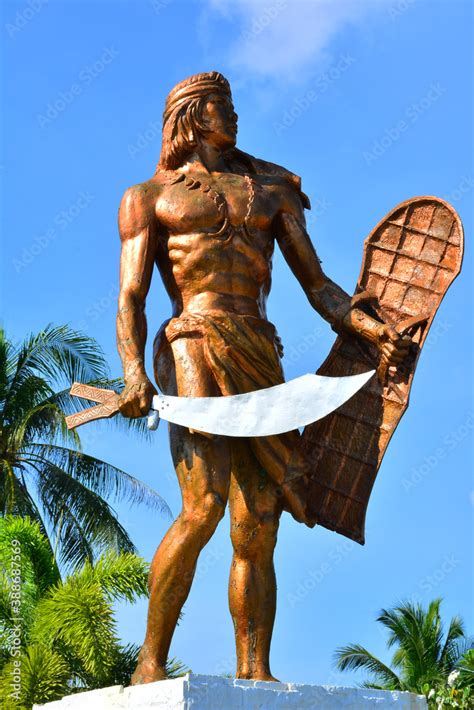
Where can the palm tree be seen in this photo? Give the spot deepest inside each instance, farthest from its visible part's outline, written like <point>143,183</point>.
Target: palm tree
<point>66,630</point>
<point>43,471</point>
<point>425,657</point>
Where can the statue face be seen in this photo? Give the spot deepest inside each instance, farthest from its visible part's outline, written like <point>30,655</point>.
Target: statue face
<point>221,120</point>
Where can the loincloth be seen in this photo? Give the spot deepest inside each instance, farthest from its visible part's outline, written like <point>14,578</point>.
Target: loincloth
<point>243,354</point>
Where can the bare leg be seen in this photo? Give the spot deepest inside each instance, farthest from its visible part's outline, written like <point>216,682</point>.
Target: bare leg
<point>203,470</point>
<point>255,509</point>
<point>204,488</point>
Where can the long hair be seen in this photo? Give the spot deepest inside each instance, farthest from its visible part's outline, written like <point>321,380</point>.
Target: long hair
<point>183,122</point>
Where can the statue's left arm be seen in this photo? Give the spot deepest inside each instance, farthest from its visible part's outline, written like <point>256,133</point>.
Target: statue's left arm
<point>326,297</point>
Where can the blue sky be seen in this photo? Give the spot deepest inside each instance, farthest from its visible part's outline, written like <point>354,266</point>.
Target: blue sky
<point>371,104</point>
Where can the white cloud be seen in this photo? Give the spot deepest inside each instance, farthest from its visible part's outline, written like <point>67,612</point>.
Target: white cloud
<point>283,39</point>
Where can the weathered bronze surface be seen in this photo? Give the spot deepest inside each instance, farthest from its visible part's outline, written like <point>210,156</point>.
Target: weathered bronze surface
<point>410,260</point>
<point>208,219</point>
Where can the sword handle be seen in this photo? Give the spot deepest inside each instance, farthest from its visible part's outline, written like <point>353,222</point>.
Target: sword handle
<point>89,415</point>
<point>108,406</point>
<point>95,394</point>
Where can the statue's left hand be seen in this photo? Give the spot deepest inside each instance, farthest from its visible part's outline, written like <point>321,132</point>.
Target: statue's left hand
<point>393,347</point>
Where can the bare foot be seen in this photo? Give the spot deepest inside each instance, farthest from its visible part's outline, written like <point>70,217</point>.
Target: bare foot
<point>263,674</point>
<point>266,676</point>
<point>148,672</point>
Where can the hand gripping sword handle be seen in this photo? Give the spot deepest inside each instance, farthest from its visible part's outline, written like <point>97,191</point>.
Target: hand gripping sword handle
<point>108,407</point>
<point>402,328</point>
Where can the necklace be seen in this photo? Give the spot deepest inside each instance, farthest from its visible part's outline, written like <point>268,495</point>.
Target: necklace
<point>226,230</point>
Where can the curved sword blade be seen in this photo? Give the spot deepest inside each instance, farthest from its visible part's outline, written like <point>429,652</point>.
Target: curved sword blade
<point>265,412</point>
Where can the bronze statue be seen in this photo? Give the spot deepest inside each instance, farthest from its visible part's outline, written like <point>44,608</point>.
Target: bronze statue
<point>209,219</point>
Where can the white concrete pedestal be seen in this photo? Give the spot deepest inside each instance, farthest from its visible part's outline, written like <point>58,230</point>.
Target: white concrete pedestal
<point>205,692</point>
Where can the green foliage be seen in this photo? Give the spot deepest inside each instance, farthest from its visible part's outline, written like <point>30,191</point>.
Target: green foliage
<point>445,697</point>
<point>83,622</point>
<point>44,474</point>
<point>425,660</point>
<point>465,665</point>
<point>27,570</point>
<point>67,640</point>
<point>79,609</point>
<point>38,675</point>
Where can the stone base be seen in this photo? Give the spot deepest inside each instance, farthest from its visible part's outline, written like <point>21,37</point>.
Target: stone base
<point>206,692</point>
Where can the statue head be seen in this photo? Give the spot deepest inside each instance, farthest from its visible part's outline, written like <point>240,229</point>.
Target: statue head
<point>198,109</point>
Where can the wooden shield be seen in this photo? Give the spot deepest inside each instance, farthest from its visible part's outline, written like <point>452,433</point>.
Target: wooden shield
<point>410,259</point>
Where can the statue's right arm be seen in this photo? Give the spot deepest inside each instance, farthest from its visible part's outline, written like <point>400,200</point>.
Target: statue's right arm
<point>138,234</point>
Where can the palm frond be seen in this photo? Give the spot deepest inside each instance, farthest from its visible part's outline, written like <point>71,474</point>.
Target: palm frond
<point>32,391</point>
<point>41,421</point>
<point>373,686</point>
<point>175,668</point>
<point>64,497</point>
<point>424,656</point>
<point>25,559</point>
<point>395,623</point>
<point>43,472</point>
<point>355,657</point>
<point>15,498</point>
<point>25,535</point>
<point>121,576</point>
<point>44,678</point>
<point>60,353</point>
<point>72,643</point>
<point>82,619</point>
<point>418,633</point>
<point>453,645</point>
<point>7,363</point>
<point>405,623</point>
<point>101,477</point>
<point>465,665</point>
<point>123,664</point>
<point>72,545</point>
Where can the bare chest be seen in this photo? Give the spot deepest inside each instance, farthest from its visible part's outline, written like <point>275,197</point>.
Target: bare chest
<point>192,203</point>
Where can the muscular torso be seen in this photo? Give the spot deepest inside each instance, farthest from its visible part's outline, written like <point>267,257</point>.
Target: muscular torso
<point>215,238</point>
<point>212,237</point>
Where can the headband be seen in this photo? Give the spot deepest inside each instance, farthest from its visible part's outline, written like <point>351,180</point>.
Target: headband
<point>193,88</point>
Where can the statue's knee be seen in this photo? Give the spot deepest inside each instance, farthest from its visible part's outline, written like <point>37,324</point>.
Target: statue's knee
<point>206,515</point>
<point>254,540</point>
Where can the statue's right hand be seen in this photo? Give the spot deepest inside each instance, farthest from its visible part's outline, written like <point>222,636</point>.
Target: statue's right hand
<point>135,400</point>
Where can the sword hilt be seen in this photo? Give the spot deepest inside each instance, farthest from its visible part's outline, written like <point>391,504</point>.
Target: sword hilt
<point>107,407</point>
